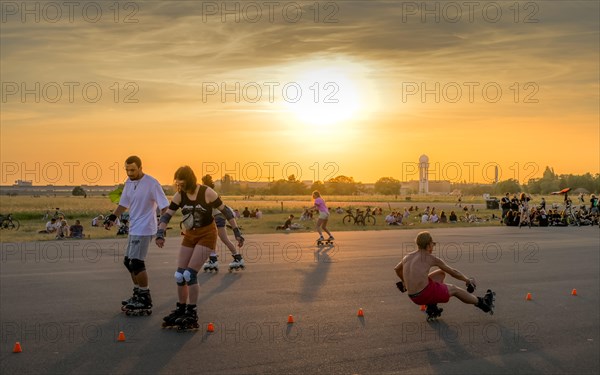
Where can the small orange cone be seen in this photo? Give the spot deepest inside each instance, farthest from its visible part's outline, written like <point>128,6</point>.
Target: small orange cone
<point>423,307</point>
<point>210,327</point>
<point>290,319</point>
<point>528,298</point>
<point>121,337</point>
<point>361,314</point>
<point>17,348</point>
<point>574,292</point>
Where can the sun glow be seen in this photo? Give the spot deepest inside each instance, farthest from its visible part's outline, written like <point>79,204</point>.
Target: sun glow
<point>325,93</point>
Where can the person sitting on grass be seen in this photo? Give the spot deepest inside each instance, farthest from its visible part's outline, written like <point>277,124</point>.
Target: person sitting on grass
<point>63,230</point>
<point>453,218</point>
<point>287,225</point>
<point>51,226</point>
<point>76,230</point>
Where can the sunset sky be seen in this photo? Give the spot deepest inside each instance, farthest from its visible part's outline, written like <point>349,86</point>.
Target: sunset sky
<point>391,81</point>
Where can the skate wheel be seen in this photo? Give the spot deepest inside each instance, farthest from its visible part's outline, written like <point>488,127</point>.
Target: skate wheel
<point>149,312</point>
<point>230,270</point>
<point>127,312</point>
<point>123,308</point>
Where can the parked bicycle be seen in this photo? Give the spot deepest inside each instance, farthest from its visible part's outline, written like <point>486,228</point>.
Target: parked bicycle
<point>57,214</point>
<point>361,217</point>
<point>8,222</point>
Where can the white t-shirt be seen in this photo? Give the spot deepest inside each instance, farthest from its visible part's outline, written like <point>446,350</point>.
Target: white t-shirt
<point>424,218</point>
<point>142,197</point>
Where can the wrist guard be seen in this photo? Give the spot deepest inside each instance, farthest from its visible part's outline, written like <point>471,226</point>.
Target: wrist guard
<point>400,286</point>
<point>238,234</point>
<point>160,234</point>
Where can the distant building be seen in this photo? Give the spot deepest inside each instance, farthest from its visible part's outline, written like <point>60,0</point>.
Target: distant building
<point>424,174</point>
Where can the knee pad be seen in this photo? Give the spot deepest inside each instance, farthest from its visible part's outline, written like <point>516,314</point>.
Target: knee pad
<point>179,276</point>
<point>127,263</point>
<point>137,266</point>
<point>191,276</point>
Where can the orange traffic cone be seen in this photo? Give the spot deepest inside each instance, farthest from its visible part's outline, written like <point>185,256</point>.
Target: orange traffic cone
<point>121,336</point>
<point>423,307</point>
<point>528,298</point>
<point>210,327</point>
<point>17,348</point>
<point>361,314</point>
<point>574,292</point>
<point>290,319</point>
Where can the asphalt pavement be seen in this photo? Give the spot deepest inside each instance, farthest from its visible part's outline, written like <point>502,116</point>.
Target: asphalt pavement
<point>61,301</point>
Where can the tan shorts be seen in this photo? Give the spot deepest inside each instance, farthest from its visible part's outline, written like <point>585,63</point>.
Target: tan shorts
<point>204,236</point>
<point>323,215</point>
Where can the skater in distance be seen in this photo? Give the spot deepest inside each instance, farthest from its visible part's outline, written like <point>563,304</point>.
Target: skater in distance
<point>213,264</point>
<point>199,240</point>
<point>320,205</point>
<point>428,288</point>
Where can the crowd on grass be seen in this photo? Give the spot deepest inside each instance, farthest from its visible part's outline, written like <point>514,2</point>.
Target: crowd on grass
<point>518,210</point>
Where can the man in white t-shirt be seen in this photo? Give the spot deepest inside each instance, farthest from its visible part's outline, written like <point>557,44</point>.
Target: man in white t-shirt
<point>142,195</point>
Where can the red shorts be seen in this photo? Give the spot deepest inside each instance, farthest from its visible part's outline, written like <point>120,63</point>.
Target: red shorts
<point>433,293</point>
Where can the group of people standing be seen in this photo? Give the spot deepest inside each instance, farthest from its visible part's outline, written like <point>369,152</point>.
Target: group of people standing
<point>205,217</point>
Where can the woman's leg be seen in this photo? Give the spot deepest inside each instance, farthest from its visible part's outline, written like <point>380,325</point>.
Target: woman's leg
<point>319,223</point>
<point>197,259</point>
<point>185,254</point>
<point>324,226</point>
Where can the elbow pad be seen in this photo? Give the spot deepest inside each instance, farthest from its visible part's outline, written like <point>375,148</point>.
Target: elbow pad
<point>227,212</point>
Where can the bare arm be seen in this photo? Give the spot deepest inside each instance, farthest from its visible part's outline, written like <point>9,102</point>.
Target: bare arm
<point>162,226</point>
<point>399,267</point>
<point>451,271</point>
<point>167,210</point>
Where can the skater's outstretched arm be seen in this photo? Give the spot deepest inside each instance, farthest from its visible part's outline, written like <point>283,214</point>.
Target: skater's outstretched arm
<point>452,271</point>
<point>165,217</point>
<point>399,268</point>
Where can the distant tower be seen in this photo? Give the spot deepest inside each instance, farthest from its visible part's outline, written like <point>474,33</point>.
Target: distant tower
<point>496,175</point>
<point>424,174</point>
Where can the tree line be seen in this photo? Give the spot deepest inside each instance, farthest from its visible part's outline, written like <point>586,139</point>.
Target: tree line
<point>345,185</point>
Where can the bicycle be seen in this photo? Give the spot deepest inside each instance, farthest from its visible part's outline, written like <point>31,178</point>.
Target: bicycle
<point>57,214</point>
<point>7,222</point>
<point>570,214</point>
<point>360,218</point>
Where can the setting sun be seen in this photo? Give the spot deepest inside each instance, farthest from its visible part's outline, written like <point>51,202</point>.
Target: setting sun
<point>326,93</point>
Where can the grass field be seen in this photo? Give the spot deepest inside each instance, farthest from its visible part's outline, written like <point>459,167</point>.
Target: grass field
<point>30,212</point>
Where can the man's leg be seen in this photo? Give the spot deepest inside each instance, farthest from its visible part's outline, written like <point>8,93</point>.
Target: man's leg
<point>462,294</point>
<point>438,276</point>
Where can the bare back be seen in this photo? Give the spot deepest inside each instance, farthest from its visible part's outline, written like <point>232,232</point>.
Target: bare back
<point>415,270</point>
